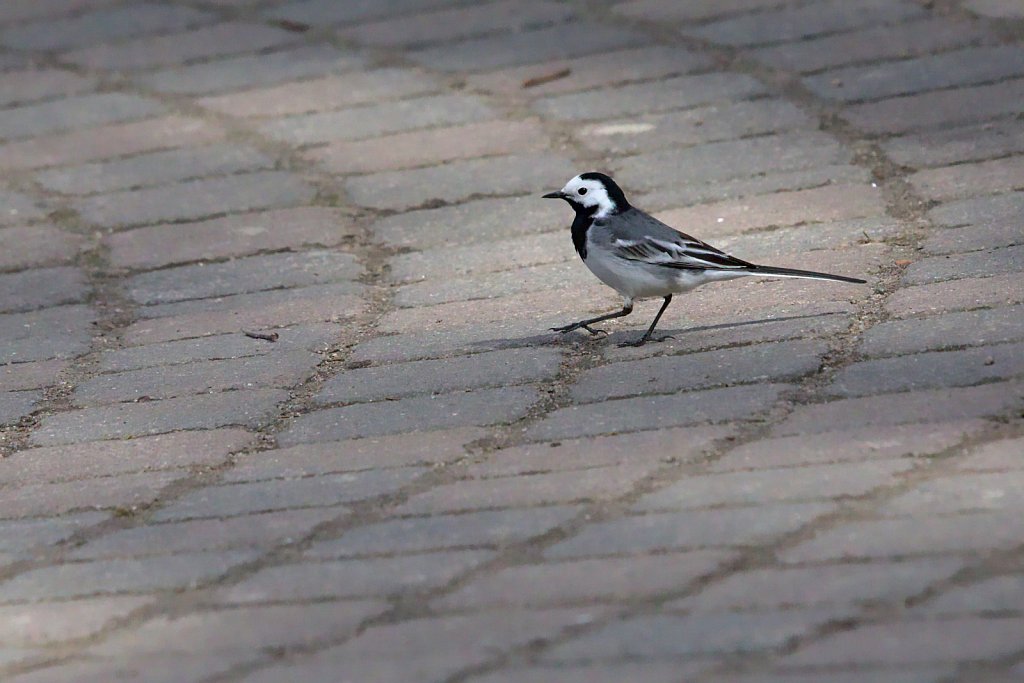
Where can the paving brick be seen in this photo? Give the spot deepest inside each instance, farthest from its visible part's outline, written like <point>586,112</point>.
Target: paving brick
<point>726,121</point>
<point>327,12</point>
<point>400,450</point>
<point>657,412</point>
<point>154,169</point>
<point>668,11</point>
<point>978,211</point>
<point>316,338</point>
<point>53,622</point>
<point>675,93</point>
<point>793,23</point>
<point>42,288</point>
<point>593,71</point>
<point>444,25</point>
<point>525,47</point>
<point>61,332</point>
<point>16,404</point>
<point>120,576</point>
<point>209,41</point>
<point>106,458</point>
<point>489,528</point>
<point>867,443</point>
<point>606,672</point>
<point>462,409</point>
<point>72,113</point>
<point>932,109</point>
<point>250,71</point>
<point>996,455</point>
<point>997,594</point>
<point>103,25</point>
<point>809,482</point>
<point>39,245</point>
<point>247,629</point>
<point>196,198</point>
<point>239,276</point>
<point>912,642</point>
<point>20,537</point>
<point>480,221</point>
<point>930,370</point>
<point>897,41</point>
<point>323,94</point>
<point>105,142</point>
<point>354,578</point>
<point>555,276</point>
<point>669,374</point>
<point>424,148</point>
<point>26,10</point>
<point>917,674</point>
<point>933,405</point>
<point>640,449</point>
<point>952,145</point>
<point>932,72</point>
<point>988,491</point>
<point>494,369</point>
<point>21,87</point>
<point>664,636</point>
<point>378,119</point>
<point>170,668</point>
<point>585,581</point>
<point>972,238</point>
<point>996,9</point>
<point>951,330</point>
<point>320,491</point>
<point>976,263</point>
<point>772,588</point>
<point>439,263</point>
<point>343,291</point>
<point>259,531</point>
<point>19,208</point>
<point>20,376</point>
<point>966,180</point>
<point>230,236</point>
<point>248,408</point>
<point>128,492</point>
<point>690,529</point>
<point>909,536</point>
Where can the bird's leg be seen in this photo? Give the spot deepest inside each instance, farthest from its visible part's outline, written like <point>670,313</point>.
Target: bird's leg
<point>586,324</point>
<point>650,330</point>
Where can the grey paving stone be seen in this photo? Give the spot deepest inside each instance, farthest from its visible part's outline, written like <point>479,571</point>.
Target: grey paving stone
<point>259,531</point>
<point>643,98</point>
<point>438,263</point>
<point>104,25</point>
<point>170,668</point>
<point>342,291</point>
<point>485,528</point>
<point>917,674</point>
<point>314,338</point>
<point>20,536</point>
<point>22,87</point>
<point>952,145</point>
<point>997,455</point>
<point>605,672</point>
<point>979,211</point>
<point>62,332</point>
<point>676,636</point>
<point>126,492</point>
<point>18,207</point>
<point>480,407</point>
<point>354,578</point>
<point>248,408</point>
<point>494,369</point>
<point>16,404</point>
<point>482,220</point>
<point>154,169</point>
<point>930,370</point>
<point>327,490</point>
<point>194,199</point>
<point>691,529</point>
<point>27,10</point>
<point>321,12</point>
<point>997,594</point>
<point>975,264</point>
<point>511,49</point>
<point>657,412</point>
<point>75,112</point>
<point>21,376</point>
<point>53,622</point>
<point>985,491</point>
<point>378,119</point>
<point>42,288</point>
<point>551,276</point>
<point>249,71</point>
<point>823,584</point>
<point>669,374</point>
<point>243,275</point>
<point>794,23</point>
<point>966,328</point>
<point>719,161</point>
<point>279,370</point>
<point>120,576</point>
<point>963,67</point>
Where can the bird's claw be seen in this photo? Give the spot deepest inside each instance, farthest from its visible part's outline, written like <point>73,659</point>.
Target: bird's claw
<point>644,339</point>
<point>594,332</point>
<point>578,326</point>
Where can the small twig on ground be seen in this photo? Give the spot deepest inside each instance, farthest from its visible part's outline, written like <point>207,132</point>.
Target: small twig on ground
<point>266,336</point>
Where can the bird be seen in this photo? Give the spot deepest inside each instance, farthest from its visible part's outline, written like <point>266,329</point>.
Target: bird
<point>640,257</point>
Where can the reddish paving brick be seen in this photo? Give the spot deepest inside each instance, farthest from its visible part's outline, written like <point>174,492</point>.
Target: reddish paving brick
<point>230,236</point>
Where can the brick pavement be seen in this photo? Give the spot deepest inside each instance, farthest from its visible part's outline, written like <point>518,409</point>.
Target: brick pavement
<point>417,482</point>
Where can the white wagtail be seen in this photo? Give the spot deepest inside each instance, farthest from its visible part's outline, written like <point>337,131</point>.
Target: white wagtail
<point>640,257</point>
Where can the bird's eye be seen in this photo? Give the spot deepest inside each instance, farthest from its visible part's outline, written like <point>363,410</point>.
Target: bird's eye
<point>582,190</point>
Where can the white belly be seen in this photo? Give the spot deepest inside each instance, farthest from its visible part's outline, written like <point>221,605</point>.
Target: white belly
<point>635,280</point>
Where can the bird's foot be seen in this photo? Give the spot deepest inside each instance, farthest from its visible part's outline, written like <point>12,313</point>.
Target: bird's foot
<point>578,326</point>
<point>644,339</point>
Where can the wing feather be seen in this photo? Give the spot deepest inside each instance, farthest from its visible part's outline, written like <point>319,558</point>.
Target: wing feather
<point>681,253</point>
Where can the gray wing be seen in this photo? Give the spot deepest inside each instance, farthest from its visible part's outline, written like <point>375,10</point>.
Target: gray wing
<point>636,236</point>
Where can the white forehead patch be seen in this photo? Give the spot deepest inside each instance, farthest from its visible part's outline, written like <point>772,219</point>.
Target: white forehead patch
<point>593,194</point>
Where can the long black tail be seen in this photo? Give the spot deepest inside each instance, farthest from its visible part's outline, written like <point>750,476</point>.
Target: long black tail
<point>808,274</point>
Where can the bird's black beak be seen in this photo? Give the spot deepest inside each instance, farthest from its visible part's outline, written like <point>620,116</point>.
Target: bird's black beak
<point>554,195</point>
